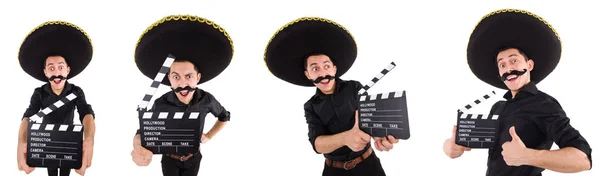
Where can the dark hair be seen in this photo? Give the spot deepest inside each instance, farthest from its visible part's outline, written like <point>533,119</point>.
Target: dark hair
<point>314,54</point>
<point>182,60</point>
<point>507,48</point>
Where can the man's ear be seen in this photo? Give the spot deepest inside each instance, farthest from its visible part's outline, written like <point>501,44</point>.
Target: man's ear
<point>199,76</point>
<point>68,70</point>
<point>530,64</point>
<point>306,74</point>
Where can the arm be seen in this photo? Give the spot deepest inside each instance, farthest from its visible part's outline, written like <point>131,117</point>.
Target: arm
<point>574,154</point>
<point>34,106</point>
<point>221,114</point>
<point>320,142</point>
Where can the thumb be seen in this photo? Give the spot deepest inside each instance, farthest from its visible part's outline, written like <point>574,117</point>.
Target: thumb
<point>454,131</point>
<point>356,119</point>
<point>513,134</point>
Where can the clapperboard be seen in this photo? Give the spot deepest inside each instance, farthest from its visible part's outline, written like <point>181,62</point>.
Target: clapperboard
<point>54,145</point>
<point>476,130</point>
<point>168,132</point>
<point>383,114</point>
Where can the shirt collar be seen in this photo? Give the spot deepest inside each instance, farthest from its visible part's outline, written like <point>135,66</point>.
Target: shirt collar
<point>48,88</point>
<point>172,98</point>
<point>337,85</point>
<point>527,89</point>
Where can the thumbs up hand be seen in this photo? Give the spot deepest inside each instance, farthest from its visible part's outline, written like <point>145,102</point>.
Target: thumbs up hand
<point>355,138</point>
<point>515,152</point>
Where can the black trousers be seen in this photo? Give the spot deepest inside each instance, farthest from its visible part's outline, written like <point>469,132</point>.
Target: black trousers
<point>371,166</point>
<point>174,167</point>
<point>54,172</point>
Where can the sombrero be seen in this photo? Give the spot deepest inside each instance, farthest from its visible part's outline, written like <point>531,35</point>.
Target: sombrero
<point>186,37</point>
<point>55,38</point>
<point>302,37</point>
<point>512,28</point>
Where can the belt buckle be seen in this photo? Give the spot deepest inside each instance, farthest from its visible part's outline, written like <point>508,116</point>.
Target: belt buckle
<point>345,163</point>
<point>181,158</point>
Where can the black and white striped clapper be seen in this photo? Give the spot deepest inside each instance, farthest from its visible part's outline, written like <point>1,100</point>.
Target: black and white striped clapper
<point>54,145</point>
<point>168,132</point>
<point>476,130</point>
<point>384,114</point>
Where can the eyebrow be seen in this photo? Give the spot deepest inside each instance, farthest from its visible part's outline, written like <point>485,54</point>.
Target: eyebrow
<point>508,56</point>
<point>56,63</point>
<point>316,63</point>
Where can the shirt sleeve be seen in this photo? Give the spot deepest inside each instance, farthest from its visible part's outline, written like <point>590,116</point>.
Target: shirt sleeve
<point>34,104</point>
<point>83,108</point>
<point>218,110</point>
<point>315,127</point>
<point>559,129</point>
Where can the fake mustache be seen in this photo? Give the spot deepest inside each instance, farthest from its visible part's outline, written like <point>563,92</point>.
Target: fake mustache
<point>514,72</point>
<point>319,79</point>
<point>179,89</point>
<point>59,77</point>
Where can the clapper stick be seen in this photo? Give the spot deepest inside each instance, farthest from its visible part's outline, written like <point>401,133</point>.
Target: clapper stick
<point>375,79</point>
<point>157,81</point>
<point>52,107</point>
<point>477,102</point>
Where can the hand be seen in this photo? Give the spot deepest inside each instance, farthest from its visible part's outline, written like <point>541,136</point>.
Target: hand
<point>22,159</point>
<point>385,143</point>
<point>455,150</point>
<point>204,139</point>
<point>355,138</point>
<point>86,159</point>
<point>141,156</point>
<point>515,152</point>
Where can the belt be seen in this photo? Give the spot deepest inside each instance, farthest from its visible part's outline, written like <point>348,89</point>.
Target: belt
<point>182,158</point>
<point>347,165</point>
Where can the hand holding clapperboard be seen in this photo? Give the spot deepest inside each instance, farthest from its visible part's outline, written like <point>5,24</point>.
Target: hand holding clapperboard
<point>385,113</point>
<point>168,132</point>
<point>476,130</point>
<point>54,145</point>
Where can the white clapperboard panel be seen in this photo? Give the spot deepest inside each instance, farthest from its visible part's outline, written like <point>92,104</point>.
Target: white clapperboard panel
<point>383,114</point>
<point>168,132</point>
<point>476,130</point>
<point>54,145</point>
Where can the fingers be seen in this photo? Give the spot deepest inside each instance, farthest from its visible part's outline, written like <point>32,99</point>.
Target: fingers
<point>454,131</point>
<point>392,139</point>
<point>378,145</point>
<point>513,134</point>
<point>356,119</point>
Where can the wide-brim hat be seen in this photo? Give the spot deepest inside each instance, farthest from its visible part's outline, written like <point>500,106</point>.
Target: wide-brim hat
<point>512,28</point>
<point>294,42</point>
<point>186,37</point>
<point>55,38</point>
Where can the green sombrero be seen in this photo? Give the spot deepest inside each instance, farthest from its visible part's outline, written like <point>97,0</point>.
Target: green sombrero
<point>55,38</point>
<point>291,44</point>
<point>512,28</point>
<point>192,38</point>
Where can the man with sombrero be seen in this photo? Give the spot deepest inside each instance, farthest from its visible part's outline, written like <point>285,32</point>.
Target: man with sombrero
<point>202,50</point>
<point>313,51</point>
<point>514,49</point>
<point>54,52</point>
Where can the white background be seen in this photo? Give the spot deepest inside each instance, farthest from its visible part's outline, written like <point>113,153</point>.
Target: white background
<point>427,39</point>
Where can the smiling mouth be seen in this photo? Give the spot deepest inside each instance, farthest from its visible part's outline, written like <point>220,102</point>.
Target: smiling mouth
<point>184,93</point>
<point>57,81</point>
<point>511,77</point>
<point>325,81</point>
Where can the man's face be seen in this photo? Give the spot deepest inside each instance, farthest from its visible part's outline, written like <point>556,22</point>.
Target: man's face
<point>512,60</point>
<point>56,70</point>
<point>182,75</point>
<point>321,66</point>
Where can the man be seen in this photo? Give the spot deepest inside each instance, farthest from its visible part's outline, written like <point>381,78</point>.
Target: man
<point>501,52</point>
<point>65,51</point>
<point>191,40</point>
<point>327,50</point>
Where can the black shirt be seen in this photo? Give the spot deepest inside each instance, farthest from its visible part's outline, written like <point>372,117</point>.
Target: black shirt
<point>202,102</point>
<point>332,114</point>
<point>539,121</point>
<point>43,97</point>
